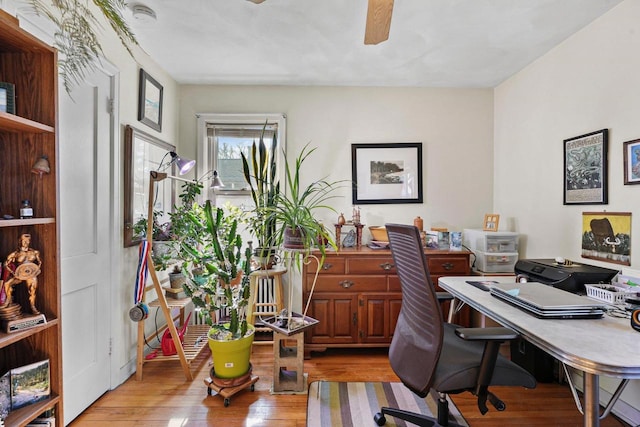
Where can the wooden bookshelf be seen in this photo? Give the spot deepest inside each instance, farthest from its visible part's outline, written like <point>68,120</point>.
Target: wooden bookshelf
<point>31,66</point>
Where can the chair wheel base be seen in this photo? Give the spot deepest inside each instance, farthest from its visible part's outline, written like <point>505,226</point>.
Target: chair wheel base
<point>379,419</point>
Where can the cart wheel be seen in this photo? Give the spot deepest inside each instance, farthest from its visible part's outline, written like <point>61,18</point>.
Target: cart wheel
<point>226,402</point>
<point>253,387</point>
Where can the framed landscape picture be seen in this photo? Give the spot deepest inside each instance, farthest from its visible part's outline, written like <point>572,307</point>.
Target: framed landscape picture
<point>386,173</point>
<point>150,101</point>
<point>606,236</point>
<point>585,169</point>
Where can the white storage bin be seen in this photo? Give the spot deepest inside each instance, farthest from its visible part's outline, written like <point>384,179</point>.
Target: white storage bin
<point>493,262</point>
<point>490,241</point>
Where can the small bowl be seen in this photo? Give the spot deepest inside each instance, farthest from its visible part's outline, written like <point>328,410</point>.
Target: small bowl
<point>379,233</point>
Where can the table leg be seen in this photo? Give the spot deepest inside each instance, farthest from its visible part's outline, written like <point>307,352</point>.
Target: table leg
<point>591,385</point>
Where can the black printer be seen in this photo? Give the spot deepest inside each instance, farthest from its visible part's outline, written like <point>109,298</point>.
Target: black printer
<point>563,274</point>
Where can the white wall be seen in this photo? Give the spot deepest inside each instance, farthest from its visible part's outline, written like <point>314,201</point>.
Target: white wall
<point>454,125</point>
<point>587,83</point>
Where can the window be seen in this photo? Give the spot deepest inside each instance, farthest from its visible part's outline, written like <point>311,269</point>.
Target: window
<point>222,137</point>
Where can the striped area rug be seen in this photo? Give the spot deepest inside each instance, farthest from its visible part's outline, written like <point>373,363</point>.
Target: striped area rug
<point>353,404</point>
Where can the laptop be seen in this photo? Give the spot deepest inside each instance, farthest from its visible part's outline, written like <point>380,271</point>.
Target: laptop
<point>547,302</point>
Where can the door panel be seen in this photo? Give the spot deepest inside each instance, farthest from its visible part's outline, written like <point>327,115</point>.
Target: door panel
<point>85,176</point>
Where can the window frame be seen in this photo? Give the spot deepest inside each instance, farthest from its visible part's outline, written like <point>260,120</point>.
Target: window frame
<point>204,164</point>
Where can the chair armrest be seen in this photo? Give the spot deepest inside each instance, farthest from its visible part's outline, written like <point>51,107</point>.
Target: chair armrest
<point>486,334</point>
<point>444,296</point>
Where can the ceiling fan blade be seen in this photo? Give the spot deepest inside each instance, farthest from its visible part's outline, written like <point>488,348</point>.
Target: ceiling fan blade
<point>378,21</point>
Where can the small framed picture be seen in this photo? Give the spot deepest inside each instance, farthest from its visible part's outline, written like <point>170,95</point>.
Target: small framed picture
<point>150,101</point>
<point>491,222</point>
<point>7,98</point>
<point>632,162</point>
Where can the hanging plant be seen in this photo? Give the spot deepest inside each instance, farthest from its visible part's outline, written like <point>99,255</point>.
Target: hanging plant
<point>76,38</point>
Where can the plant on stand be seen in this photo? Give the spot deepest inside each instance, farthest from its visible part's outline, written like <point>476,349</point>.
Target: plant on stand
<point>214,263</point>
<point>298,228</point>
<point>260,173</point>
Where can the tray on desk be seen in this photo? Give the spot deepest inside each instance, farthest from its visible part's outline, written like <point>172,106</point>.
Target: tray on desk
<point>302,323</point>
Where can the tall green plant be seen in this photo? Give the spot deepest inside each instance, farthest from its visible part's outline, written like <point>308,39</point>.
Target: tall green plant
<point>212,263</point>
<point>260,173</point>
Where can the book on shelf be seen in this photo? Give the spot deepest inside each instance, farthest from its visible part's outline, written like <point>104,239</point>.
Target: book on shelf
<point>5,395</point>
<point>30,384</point>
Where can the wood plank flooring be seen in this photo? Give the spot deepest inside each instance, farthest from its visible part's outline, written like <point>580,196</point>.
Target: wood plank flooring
<point>164,398</point>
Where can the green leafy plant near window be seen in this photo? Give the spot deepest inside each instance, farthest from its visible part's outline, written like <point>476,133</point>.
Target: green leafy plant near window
<point>76,36</point>
<point>294,210</point>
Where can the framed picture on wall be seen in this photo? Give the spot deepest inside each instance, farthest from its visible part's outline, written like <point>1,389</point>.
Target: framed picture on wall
<point>632,162</point>
<point>150,101</point>
<point>585,169</point>
<point>386,173</point>
<point>606,236</point>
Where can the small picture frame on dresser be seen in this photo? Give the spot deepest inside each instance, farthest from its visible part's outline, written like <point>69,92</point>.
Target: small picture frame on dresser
<point>7,98</point>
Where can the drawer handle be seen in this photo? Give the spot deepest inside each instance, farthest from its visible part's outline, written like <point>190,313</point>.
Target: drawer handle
<point>346,284</point>
<point>327,266</point>
<point>386,266</point>
<point>447,266</point>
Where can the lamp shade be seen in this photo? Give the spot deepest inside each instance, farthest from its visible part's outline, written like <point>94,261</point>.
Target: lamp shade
<point>216,182</point>
<point>184,164</point>
<point>41,166</point>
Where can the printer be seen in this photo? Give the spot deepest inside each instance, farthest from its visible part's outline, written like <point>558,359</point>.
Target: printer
<point>563,274</point>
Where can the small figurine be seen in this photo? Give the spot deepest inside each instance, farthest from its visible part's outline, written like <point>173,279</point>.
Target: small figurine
<point>341,220</point>
<point>356,215</point>
<point>23,265</point>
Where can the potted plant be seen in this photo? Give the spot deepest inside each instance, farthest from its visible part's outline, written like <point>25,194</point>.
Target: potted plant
<point>214,264</point>
<point>298,228</point>
<point>260,173</point>
<point>162,252</point>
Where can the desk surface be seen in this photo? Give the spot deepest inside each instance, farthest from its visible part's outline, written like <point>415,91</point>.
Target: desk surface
<point>606,346</point>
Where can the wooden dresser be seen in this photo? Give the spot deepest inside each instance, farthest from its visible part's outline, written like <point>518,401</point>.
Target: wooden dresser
<point>357,296</point>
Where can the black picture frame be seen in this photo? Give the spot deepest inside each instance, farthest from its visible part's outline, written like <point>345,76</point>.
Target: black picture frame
<point>150,101</point>
<point>7,98</point>
<point>585,169</point>
<point>386,173</point>
<point>631,162</point>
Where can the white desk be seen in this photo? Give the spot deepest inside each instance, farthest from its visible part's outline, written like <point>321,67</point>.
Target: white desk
<point>607,346</point>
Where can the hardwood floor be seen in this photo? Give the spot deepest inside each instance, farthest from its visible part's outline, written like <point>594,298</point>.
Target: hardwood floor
<point>164,398</point>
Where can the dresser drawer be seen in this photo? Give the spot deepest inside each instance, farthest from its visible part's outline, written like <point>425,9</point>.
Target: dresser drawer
<point>370,265</point>
<point>332,265</point>
<point>448,265</point>
<point>351,283</point>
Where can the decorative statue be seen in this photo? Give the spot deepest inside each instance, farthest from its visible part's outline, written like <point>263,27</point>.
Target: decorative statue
<point>23,265</point>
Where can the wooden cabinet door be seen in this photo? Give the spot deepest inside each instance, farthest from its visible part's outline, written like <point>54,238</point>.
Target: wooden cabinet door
<point>378,317</point>
<point>337,315</point>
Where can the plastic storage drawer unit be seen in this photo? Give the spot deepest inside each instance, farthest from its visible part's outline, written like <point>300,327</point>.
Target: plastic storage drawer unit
<point>490,241</point>
<point>492,262</point>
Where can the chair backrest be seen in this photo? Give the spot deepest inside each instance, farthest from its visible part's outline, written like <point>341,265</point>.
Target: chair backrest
<point>417,340</point>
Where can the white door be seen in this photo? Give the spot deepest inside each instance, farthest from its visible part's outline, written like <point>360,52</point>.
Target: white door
<point>85,243</point>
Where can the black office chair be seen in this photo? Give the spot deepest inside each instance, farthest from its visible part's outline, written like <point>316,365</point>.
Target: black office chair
<point>427,353</point>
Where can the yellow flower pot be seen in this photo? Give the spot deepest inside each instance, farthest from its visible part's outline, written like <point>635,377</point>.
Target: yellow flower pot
<point>231,358</point>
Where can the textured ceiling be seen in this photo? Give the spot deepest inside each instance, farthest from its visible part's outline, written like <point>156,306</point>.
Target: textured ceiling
<point>437,43</point>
